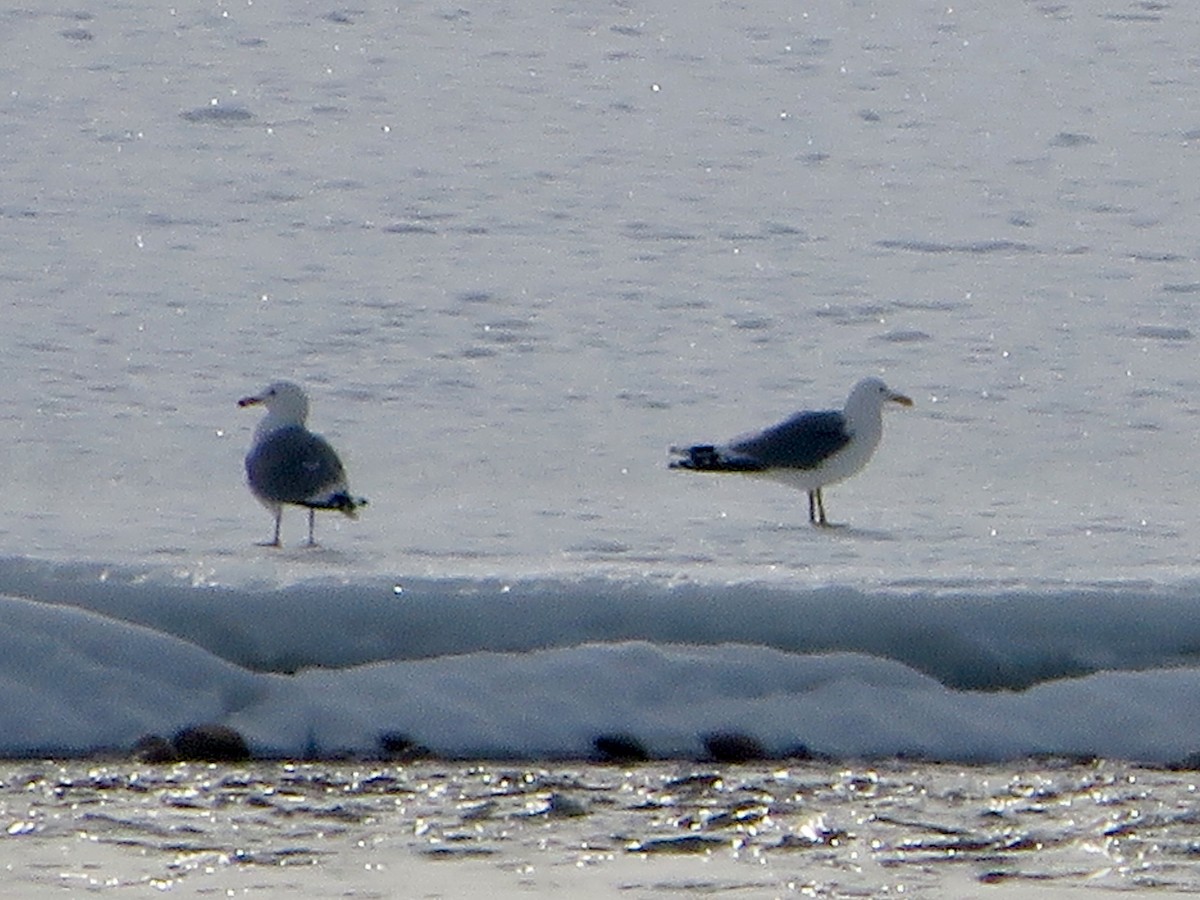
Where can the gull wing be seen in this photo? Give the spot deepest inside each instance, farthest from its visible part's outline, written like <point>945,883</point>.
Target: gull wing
<point>293,465</point>
<point>804,441</point>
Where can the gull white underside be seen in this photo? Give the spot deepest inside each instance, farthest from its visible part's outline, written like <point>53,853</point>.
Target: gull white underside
<point>836,468</point>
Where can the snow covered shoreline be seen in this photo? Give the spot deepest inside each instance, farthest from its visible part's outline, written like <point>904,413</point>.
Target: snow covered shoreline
<point>542,668</point>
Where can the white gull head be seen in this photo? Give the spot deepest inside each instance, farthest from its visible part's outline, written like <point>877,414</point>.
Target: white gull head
<point>286,404</point>
<point>864,422</point>
<point>867,399</point>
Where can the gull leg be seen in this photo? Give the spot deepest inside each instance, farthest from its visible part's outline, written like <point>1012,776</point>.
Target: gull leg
<point>274,542</point>
<point>816,509</point>
<point>312,515</point>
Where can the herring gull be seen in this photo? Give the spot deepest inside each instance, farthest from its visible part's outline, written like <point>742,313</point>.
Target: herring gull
<point>289,464</point>
<point>807,451</point>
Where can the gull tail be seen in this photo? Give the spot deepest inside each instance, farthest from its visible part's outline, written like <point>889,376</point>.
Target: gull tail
<point>342,502</point>
<point>708,458</point>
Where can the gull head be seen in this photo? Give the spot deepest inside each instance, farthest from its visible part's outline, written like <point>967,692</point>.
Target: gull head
<point>285,402</point>
<point>872,394</point>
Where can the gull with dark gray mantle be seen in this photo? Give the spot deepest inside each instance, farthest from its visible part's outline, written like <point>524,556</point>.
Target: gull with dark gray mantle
<point>288,464</point>
<point>807,451</point>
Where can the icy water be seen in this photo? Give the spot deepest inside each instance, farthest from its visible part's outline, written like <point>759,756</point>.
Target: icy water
<point>514,252</point>
<point>431,830</point>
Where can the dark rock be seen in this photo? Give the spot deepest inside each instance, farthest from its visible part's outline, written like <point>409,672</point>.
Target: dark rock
<point>1189,763</point>
<point>153,748</point>
<point>397,746</point>
<point>620,748</point>
<point>734,747</point>
<point>800,753</point>
<point>210,743</point>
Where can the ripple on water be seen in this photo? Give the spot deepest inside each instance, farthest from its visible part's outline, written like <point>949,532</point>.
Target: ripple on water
<point>874,825</point>
<point>1164,333</point>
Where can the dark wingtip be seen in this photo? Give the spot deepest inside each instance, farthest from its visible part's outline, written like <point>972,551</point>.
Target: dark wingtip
<point>707,458</point>
<point>346,504</point>
<point>702,456</point>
